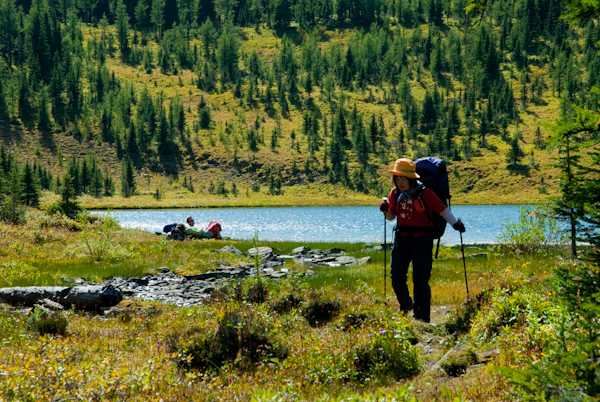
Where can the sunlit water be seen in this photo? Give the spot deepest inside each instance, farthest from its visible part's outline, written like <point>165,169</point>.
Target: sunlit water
<point>311,224</point>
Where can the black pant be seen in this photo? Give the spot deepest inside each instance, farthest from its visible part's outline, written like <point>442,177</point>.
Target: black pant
<point>418,250</point>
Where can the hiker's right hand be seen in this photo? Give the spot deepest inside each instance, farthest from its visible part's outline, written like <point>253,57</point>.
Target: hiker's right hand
<point>460,227</point>
<point>384,206</point>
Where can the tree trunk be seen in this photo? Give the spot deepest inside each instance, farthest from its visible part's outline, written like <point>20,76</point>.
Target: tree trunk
<point>90,297</point>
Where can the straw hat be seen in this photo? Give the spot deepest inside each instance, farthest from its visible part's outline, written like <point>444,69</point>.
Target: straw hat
<point>405,167</point>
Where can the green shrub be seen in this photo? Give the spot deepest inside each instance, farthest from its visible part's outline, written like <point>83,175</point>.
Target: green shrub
<point>355,319</point>
<point>535,231</point>
<point>239,336</point>
<point>257,292</point>
<point>50,221</point>
<point>286,303</point>
<point>388,353</point>
<point>53,323</point>
<point>568,367</point>
<point>457,361</point>
<point>320,310</point>
<point>460,318</point>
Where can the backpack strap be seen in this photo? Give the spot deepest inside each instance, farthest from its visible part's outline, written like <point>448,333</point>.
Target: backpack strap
<point>427,211</point>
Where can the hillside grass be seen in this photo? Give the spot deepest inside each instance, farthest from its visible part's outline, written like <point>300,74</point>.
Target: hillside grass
<point>483,179</point>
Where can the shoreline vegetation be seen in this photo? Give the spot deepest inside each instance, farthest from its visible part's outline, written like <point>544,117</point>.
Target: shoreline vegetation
<point>316,196</point>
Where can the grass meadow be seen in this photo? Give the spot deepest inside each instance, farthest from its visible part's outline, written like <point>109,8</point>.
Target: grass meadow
<point>330,336</point>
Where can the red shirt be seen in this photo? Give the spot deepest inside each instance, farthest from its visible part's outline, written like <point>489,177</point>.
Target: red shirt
<point>410,213</point>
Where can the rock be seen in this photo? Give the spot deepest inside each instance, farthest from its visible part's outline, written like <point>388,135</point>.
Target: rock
<point>261,251</point>
<point>277,274</point>
<point>49,305</point>
<point>164,270</point>
<point>300,250</point>
<point>377,248</point>
<point>478,255</point>
<point>229,249</point>
<point>361,261</point>
<point>334,250</point>
<point>79,281</point>
<point>345,260</point>
<point>322,260</point>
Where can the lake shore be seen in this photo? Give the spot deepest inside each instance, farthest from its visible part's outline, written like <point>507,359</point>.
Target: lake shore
<point>305,196</point>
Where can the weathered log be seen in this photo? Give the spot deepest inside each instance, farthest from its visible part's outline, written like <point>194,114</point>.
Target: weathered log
<point>81,297</point>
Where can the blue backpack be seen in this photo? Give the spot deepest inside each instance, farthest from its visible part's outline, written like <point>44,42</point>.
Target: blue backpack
<point>434,175</point>
<point>169,228</point>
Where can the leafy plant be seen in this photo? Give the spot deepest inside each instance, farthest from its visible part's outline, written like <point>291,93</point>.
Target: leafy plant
<point>534,231</point>
<point>98,238</point>
<point>388,353</point>
<point>568,369</point>
<point>321,310</point>
<point>239,337</point>
<point>53,323</point>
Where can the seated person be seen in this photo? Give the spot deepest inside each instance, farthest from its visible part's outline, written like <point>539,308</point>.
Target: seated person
<point>212,231</point>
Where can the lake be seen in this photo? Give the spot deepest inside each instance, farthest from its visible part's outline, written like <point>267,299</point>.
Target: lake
<point>311,224</point>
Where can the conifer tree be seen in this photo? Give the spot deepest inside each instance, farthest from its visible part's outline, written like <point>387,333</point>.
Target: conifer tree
<point>206,11</point>
<point>128,184</point>
<point>67,204</point>
<point>515,153</point>
<point>12,208</point>
<point>122,25</point>
<point>31,187</point>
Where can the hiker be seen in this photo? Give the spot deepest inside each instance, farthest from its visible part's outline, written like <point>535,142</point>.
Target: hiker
<point>412,204</point>
<point>212,231</point>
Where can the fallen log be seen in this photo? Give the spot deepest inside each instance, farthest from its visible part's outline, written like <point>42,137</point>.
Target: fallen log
<point>91,297</point>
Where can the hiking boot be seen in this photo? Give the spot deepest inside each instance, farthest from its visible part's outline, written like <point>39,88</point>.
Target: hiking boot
<point>405,311</point>
<point>424,319</point>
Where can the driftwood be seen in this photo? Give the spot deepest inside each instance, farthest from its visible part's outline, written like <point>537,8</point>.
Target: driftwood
<point>81,297</point>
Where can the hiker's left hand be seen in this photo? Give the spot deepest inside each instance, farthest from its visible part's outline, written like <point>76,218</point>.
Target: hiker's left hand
<point>460,227</point>
<point>384,206</point>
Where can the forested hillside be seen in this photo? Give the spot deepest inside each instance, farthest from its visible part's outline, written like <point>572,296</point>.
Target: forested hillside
<point>231,97</point>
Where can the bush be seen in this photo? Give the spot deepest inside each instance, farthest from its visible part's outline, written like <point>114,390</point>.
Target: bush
<point>319,311</point>
<point>389,354</point>
<point>567,368</point>
<point>53,323</point>
<point>238,334</point>
<point>460,318</point>
<point>535,231</point>
<point>257,292</point>
<point>50,221</point>
<point>286,303</point>
<point>355,319</point>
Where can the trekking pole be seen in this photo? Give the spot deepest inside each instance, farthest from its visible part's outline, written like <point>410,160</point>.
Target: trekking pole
<point>437,249</point>
<point>384,256</point>
<point>462,247</point>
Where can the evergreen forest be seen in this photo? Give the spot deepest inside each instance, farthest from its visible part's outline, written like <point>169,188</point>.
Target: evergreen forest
<point>224,97</point>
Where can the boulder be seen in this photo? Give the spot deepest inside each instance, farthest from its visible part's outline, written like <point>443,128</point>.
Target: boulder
<point>229,249</point>
<point>300,250</point>
<point>261,251</point>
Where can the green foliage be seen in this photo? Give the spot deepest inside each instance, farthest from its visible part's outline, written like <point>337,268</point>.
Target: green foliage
<point>98,238</point>
<point>388,353</point>
<point>568,368</point>
<point>48,323</point>
<point>461,318</point>
<point>68,204</point>
<point>241,338</point>
<point>12,209</point>
<point>535,231</point>
<point>319,310</point>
